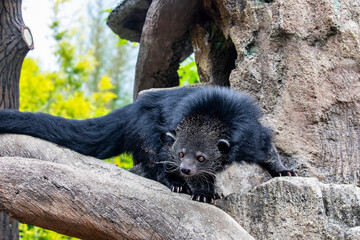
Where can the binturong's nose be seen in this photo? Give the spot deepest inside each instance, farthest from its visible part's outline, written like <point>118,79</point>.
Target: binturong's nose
<point>187,167</point>
<point>185,170</point>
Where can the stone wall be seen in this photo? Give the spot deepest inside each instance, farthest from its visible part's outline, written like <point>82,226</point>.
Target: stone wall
<point>297,208</point>
<point>301,61</point>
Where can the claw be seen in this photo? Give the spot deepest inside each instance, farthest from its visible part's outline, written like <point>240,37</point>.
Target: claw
<point>218,196</point>
<point>192,197</point>
<point>198,198</point>
<point>289,173</point>
<point>177,189</point>
<point>212,201</point>
<point>204,199</point>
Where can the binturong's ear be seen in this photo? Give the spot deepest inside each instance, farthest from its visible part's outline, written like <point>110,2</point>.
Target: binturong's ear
<point>224,145</point>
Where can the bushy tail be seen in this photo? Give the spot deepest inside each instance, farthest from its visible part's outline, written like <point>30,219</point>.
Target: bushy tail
<point>101,137</point>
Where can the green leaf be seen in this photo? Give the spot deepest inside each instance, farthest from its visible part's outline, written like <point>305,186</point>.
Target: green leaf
<point>188,72</point>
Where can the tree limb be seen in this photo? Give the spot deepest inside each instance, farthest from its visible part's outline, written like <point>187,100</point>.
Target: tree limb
<point>52,187</point>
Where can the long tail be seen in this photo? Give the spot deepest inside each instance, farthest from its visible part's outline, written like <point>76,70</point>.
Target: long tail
<point>101,137</point>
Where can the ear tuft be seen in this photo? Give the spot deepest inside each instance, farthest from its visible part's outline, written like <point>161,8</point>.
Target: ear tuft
<point>172,135</point>
<point>224,145</point>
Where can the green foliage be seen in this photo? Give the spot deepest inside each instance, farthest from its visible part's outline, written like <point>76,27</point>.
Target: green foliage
<point>29,232</point>
<point>124,161</point>
<point>188,72</point>
<point>44,91</point>
<point>122,42</point>
<point>36,87</point>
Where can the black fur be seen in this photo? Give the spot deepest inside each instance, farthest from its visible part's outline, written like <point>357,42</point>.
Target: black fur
<point>159,125</point>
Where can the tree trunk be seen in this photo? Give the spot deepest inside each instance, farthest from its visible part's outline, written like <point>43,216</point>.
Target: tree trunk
<point>15,42</point>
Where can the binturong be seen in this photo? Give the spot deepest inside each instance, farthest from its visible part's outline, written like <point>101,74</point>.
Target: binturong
<point>180,137</point>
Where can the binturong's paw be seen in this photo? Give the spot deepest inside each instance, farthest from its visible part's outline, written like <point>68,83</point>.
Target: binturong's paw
<point>180,189</point>
<point>206,198</point>
<point>290,173</point>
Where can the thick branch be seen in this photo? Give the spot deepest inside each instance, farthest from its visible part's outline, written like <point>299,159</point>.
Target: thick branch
<point>90,199</point>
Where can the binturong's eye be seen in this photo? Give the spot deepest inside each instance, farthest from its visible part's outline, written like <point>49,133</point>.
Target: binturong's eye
<point>201,159</point>
<point>181,154</point>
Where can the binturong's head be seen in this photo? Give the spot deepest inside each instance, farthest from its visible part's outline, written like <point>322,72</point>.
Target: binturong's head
<point>214,128</point>
<point>200,146</point>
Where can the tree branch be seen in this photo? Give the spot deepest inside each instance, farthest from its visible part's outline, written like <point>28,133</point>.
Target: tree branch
<point>52,187</point>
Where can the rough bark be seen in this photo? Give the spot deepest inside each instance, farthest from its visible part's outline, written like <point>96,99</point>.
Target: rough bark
<point>297,208</point>
<point>13,49</point>
<point>55,188</point>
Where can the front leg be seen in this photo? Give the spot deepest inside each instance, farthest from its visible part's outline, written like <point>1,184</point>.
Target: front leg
<point>274,165</point>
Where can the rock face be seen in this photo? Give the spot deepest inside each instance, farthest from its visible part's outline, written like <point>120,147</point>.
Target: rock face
<point>297,208</point>
<point>240,178</point>
<point>300,60</point>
